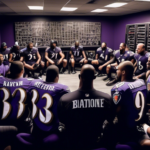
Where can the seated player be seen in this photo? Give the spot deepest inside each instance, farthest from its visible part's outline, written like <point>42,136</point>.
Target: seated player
<point>15,115</point>
<point>119,56</point>
<point>77,56</point>
<point>15,54</point>
<point>32,60</point>
<point>45,96</point>
<point>141,59</point>
<point>5,52</point>
<point>54,56</point>
<point>3,68</point>
<point>103,55</point>
<point>129,97</point>
<point>82,113</point>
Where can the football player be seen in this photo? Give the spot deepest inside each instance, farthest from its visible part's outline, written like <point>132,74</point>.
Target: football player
<point>54,56</point>
<point>141,59</point>
<point>5,52</point>
<point>129,97</point>
<point>4,69</point>
<point>15,54</point>
<point>45,96</point>
<point>77,55</point>
<point>32,59</point>
<point>103,55</point>
<point>119,56</point>
<point>14,114</point>
<point>82,112</point>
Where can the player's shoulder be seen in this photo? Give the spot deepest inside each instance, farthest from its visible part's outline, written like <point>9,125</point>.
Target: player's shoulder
<point>147,54</point>
<point>72,47</point>
<point>58,48</point>
<point>136,55</point>
<point>34,49</point>
<point>81,47</point>
<point>109,50</point>
<point>47,48</point>
<point>120,86</point>
<point>99,49</point>
<point>23,49</point>
<point>8,49</point>
<point>131,53</point>
<point>61,87</point>
<point>116,52</point>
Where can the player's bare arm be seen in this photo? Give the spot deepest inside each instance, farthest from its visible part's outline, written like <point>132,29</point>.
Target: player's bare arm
<point>48,59</point>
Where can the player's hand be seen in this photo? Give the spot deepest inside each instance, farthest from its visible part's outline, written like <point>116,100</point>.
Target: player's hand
<point>53,63</point>
<point>59,62</point>
<point>100,67</point>
<point>35,66</point>
<point>136,77</point>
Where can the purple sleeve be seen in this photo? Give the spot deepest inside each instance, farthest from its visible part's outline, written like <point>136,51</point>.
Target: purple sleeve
<point>47,49</point>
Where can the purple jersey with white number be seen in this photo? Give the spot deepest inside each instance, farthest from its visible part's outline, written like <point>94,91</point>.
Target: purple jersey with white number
<point>44,99</point>
<point>53,53</point>
<point>3,69</point>
<point>5,55</point>
<point>77,52</point>
<point>14,102</point>
<point>131,98</point>
<point>30,56</point>
<point>141,61</point>
<point>128,55</point>
<point>15,55</point>
<point>104,54</point>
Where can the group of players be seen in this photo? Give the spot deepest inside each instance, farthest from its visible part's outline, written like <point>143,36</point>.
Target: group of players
<point>37,114</point>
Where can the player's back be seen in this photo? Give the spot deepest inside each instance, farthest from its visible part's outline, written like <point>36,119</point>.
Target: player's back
<point>83,114</point>
<point>44,98</point>
<point>13,102</point>
<point>130,97</point>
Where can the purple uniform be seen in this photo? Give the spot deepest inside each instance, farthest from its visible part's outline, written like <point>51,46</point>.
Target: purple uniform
<point>5,55</point>
<point>131,97</point>
<point>141,62</point>
<point>3,69</point>
<point>148,101</point>
<point>13,102</point>
<point>53,53</point>
<point>128,55</point>
<point>15,55</point>
<point>104,55</point>
<point>77,52</point>
<point>44,98</point>
<point>30,57</point>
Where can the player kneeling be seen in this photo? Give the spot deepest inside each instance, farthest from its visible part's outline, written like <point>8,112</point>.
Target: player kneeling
<point>129,97</point>
<point>14,114</point>
<point>44,96</point>
<point>32,60</point>
<point>54,56</point>
<point>82,113</point>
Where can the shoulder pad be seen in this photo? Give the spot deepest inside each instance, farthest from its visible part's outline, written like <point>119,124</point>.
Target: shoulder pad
<point>147,54</point>
<point>30,79</point>
<point>119,84</point>
<point>81,46</point>
<point>99,49</point>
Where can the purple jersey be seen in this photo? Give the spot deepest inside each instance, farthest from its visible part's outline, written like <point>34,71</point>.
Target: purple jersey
<point>131,98</point>
<point>104,54</point>
<point>53,53</point>
<point>30,57</point>
<point>13,102</point>
<point>128,55</point>
<point>44,99</point>
<point>3,69</point>
<point>77,52</point>
<point>141,61</point>
<point>15,55</point>
<point>5,55</point>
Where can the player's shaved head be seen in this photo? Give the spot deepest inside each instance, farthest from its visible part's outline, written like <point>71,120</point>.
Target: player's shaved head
<point>76,43</point>
<point>128,67</point>
<point>87,72</point>
<point>52,73</point>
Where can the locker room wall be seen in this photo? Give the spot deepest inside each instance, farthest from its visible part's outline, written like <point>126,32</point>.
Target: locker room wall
<point>120,25</point>
<point>7,25</point>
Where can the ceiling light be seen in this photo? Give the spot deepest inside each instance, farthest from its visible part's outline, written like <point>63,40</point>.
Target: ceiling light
<point>68,9</point>
<point>99,10</point>
<point>36,7</point>
<point>116,5</point>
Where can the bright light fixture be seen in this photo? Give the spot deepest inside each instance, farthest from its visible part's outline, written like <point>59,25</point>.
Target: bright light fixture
<point>68,8</point>
<point>99,10</point>
<point>116,5</point>
<point>35,7</point>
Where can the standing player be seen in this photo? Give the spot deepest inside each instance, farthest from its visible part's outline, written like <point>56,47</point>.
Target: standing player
<point>54,56</point>
<point>15,54</point>
<point>5,52</point>
<point>83,112</point>
<point>32,59</point>
<point>103,55</point>
<point>141,59</point>
<point>77,55</point>
<point>44,97</point>
<point>3,68</point>
<point>119,56</point>
<point>14,114</point>
<point>129,97</point>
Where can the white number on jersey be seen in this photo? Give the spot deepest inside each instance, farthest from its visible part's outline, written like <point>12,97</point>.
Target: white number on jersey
<point>140,66</point>
<point>76,53</point>
<point>30,56</point>
<point>139,104</point>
